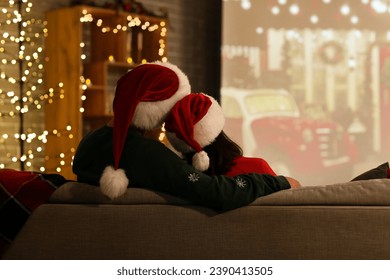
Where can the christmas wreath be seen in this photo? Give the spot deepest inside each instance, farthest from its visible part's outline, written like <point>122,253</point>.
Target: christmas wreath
<point>331,52</point>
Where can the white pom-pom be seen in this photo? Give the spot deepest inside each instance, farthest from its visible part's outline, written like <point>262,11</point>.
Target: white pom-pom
<point>201,161</point>
<point>113,183</point>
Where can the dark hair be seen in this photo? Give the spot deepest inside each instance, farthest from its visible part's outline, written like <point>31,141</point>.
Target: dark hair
<point>222,153</point>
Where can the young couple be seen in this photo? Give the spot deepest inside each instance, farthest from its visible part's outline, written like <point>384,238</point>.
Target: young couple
<point>120,155</point>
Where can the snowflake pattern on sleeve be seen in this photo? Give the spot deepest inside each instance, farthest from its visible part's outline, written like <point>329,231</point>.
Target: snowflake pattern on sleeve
<point>193,177</point>
<point>241,183</point>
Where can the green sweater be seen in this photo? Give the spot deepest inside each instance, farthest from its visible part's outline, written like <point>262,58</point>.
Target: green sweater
<point>149,164</point>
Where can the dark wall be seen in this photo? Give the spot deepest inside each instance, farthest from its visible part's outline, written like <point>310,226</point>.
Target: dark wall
<point>199,43</point>
<point>194,40</point>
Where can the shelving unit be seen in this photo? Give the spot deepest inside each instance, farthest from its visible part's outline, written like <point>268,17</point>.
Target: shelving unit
<point>100,94</point>
<point>87,50</point>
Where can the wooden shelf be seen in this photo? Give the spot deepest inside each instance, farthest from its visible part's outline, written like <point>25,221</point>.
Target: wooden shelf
<point>103,12</point>
<point>103,76</point>
<point>95,87</point>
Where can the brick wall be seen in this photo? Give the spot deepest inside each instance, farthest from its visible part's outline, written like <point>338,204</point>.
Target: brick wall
<point>193,44</point>
<point>194,41</point>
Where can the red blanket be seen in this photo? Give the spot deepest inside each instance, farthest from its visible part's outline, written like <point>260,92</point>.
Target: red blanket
<point>20,193</point>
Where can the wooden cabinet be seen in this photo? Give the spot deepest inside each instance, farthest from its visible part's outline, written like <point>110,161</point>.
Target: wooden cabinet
<point>99,95</point>
<point>87,50</point>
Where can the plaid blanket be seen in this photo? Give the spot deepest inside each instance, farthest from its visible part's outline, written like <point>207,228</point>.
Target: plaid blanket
<point>20,193</point>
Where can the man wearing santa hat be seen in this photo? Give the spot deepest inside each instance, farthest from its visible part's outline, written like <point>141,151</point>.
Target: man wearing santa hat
<point>118,155</point>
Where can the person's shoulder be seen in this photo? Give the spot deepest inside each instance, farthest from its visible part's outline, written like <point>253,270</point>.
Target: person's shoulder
<point>102,132</point>
<point>105,129</point>
<point>243,159</point>
<point>250,164</point>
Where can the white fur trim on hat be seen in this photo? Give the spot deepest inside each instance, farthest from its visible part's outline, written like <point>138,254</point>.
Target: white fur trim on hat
<point>113,183</point>
<point>150,115</point>
<point>210,126</point>
<point>201,161</point>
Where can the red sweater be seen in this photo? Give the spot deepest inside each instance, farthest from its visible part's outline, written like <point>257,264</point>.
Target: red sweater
<point>246,165</point>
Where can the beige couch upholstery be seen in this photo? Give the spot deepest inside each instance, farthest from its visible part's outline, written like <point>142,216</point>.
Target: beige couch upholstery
<point>340,221</point>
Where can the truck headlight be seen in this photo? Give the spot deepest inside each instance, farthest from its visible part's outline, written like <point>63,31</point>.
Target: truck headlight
<point>307,135</point>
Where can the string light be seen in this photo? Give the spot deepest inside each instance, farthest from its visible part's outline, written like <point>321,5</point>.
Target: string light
<point>294,9</point>
<point>246,4</point>
<point>345,9</point>
<point>314,19</point>
<point>275,10</point>
<point>28,39</point>
<point>131,22</point>
<point>378,6</point>
<point>354,20</point>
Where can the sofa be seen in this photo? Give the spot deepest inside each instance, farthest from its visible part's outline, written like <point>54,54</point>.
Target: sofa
<point>339,221</point>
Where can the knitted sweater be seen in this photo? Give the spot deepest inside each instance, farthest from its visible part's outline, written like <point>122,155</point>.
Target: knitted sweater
<point>149,164</point>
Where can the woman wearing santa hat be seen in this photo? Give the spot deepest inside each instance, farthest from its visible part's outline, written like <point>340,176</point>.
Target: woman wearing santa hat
<point>195,129</point>
<point>118,155</point>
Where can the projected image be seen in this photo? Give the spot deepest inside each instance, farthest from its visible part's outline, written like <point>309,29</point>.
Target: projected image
<point>306,84</point>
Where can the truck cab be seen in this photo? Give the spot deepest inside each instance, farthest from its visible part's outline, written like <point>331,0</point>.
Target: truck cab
<point>267,123</point>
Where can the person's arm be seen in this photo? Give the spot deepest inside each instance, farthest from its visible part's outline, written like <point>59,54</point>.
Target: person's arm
<point>149,164</point>
<point>295,184</point>
<point>160,169</point>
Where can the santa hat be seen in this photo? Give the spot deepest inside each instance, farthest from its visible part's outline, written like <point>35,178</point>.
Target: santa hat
<point>143,98</point>
<point>193,123</point>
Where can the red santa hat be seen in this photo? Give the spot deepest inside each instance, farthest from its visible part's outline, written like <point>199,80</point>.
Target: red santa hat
<point>193,123</point>
<point>143,98</point>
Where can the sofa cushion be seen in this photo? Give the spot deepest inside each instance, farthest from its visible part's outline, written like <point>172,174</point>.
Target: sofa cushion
<point>367,192</point>
<point>376,173</point>
<point>375,192</point>
<point>75,192</point>
<point>21,192</point>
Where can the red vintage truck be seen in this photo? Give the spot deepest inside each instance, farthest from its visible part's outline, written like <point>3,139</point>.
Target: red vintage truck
<point>267,123</point>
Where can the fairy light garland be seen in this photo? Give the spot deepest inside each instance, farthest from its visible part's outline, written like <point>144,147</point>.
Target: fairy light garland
<point>29,44</point>
<point>30,137</point>
<point>349,10</point>
<point>131,22</point>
